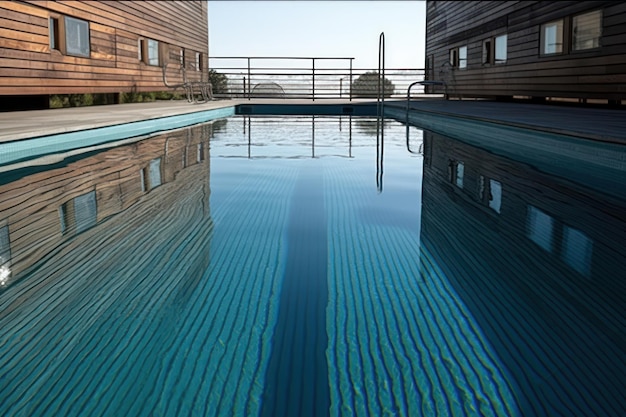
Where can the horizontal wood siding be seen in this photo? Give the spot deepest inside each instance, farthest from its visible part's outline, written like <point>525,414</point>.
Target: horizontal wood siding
<point>30,206</point>
<point>595,74</point>
<point>29,66</point>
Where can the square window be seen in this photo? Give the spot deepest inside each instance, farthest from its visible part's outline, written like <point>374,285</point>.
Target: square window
<point>552,38</point>
<point>586,30</point>
<point>76,37</point>
<point>501,46</point>
<point>463,57</point>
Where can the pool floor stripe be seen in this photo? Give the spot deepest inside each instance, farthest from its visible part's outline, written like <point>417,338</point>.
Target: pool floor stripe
<point>296,382</point>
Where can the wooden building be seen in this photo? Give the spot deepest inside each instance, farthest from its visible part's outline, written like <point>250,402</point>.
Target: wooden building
<point>74,47</point>
<point>542,50</point>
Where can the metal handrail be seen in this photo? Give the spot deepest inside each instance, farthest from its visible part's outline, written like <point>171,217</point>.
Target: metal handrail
<point>408,105</point>
<point>380,108</point>
<point>322,78</point>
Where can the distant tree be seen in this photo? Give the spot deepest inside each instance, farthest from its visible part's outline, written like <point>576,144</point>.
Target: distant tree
<point>219,82</point>
<point>366,86</point>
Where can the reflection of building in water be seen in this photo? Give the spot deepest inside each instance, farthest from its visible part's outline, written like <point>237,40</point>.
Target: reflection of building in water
<point>42,211</point>
<point>538,261</point>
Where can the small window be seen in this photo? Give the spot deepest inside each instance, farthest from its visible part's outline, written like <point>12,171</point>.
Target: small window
<point>577,250</point>
<point>463,57</point>
<point>140,49</point>
<point>540,228</point>
<point>487,51</point>
<point>153,52</point>
<point>500,50</point>
<point>586,30</point>
<point>155,173</point>
<point>76,37</point>
<point>54,34</point>
<point>454,57</point>
<point>5,254</point>
<point>552,38</point>
<point>182,57</point>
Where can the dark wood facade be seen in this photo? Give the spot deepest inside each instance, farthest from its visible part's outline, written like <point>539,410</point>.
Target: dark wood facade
<point>572,50</point>
<point>66,47</point>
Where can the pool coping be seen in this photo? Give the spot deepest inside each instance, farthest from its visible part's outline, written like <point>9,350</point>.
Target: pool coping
<point>605,125</point>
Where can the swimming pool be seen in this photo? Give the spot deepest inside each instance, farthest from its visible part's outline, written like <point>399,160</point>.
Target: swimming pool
<point>272,266</point>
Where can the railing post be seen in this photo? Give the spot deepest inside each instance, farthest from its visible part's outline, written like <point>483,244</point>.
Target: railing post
<point>243,92</point>
<point>350,79</point>
<point>340,87</point>
<point>249,79</point>
<point>313,59</point>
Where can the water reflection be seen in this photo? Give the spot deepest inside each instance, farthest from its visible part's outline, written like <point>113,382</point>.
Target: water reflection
<point>538,259</point>
<point>43,210</point>
<point>294,138</point>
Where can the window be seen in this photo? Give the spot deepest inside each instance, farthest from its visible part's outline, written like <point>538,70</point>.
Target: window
<point>76,37</point>
<point>458,57</point>
<point>495,195</point>
<point>487,51</point>
<point>153,52</point>
<point>501,46</point>
<point>5,254</point>
<point>577,250</point>
<point>198,61</point>
<point>463,57</point>
<point>552,38</point>
<point>454,57</point>
<point>140,49</point>
<point>586,30</point>
<point>182,57</point>
<point>540,228</point>
<point>456,170</point>
<point>54,34</point>
<point>79,214</point>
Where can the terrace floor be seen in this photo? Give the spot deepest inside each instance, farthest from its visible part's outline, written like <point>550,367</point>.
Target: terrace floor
<point>593,123</point>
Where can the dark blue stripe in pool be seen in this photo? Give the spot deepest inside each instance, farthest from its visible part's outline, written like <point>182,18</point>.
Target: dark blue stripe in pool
<point>296,382</point>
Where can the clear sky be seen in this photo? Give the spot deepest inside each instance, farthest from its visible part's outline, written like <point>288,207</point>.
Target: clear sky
<point>320,29</point>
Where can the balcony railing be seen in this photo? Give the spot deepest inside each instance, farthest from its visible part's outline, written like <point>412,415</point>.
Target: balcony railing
<point>304,78</point>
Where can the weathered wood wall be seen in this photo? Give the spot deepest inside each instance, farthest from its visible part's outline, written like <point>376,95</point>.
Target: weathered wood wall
<point>598,73</point>
<point>28,64</point>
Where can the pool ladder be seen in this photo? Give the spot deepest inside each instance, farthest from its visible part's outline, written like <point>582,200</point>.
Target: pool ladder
<point>380,113</point>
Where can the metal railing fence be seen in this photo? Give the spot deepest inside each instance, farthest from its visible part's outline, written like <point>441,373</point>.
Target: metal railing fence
<point>314,78</point>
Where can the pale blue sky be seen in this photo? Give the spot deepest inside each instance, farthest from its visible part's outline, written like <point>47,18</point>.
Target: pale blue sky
<point>320,29</point>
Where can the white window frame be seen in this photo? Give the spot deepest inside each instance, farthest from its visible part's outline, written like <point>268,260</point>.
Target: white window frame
<point>552,38</point>
<point>462,57</point>
<point>498,56</point>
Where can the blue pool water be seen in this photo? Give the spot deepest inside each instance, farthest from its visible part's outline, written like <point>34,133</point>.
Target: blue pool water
<point>279,266</point>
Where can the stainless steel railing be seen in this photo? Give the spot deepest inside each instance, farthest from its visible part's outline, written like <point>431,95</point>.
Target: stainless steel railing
<point>313,78</point>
